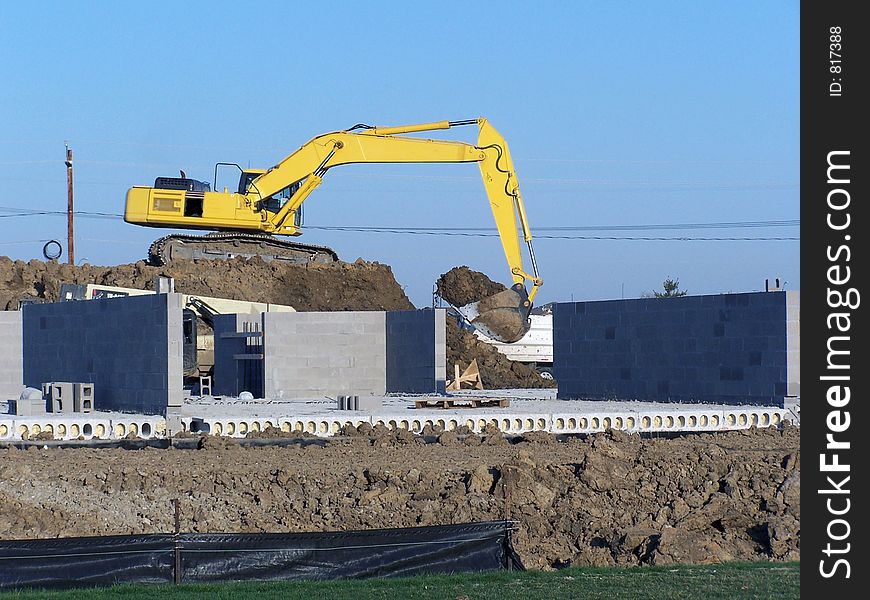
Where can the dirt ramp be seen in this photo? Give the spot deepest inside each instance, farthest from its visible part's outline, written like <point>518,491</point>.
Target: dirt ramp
<point>341,286</point>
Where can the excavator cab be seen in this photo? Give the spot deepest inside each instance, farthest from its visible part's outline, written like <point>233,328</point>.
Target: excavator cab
<point>276,201</point>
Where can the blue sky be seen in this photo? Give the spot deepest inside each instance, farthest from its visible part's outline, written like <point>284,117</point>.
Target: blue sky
<point>617,113</point>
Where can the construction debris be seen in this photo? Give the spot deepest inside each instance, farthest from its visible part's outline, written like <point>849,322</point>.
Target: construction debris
<point>470,377</point>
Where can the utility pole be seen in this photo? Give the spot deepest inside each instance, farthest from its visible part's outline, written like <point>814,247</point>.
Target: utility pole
<point>70,244</point>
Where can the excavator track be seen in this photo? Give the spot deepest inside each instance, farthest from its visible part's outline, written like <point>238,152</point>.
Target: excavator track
<point>223,245</point>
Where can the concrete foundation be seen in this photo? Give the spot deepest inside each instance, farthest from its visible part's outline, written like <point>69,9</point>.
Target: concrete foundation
<point>129,348</point>
<point>530,410</point>
<point>11,364</point>
<point>728,349</point>
<point>94,426</point>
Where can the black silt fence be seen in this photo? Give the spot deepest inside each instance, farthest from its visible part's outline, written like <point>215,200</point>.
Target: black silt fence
<point>214,557</point>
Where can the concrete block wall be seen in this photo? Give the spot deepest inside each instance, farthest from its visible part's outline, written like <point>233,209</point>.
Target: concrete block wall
<point>232,373</point>
<point>416,351</point>
<point>312,354</point>
<point>129,348</point>
<point>11,364</point>
<point>727,348</point>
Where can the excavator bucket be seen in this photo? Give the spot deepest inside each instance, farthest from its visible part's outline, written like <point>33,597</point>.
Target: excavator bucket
<point>503,316</point>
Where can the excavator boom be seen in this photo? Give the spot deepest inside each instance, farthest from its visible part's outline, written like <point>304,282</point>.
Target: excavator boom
<point>269,203</point>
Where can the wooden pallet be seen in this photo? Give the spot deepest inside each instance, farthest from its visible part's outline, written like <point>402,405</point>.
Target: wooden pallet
<point>462,403</point>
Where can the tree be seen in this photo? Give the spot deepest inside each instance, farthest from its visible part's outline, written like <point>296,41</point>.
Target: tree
<point>671,289</point>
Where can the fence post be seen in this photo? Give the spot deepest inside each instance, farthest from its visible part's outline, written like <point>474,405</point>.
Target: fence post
<point>176,541</point>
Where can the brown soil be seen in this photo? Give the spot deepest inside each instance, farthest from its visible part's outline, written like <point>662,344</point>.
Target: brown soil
<point>341,286</point>
<point>496,371</point>
<point>608,499</point>
<point>500,317</point>
<point>460,286</point>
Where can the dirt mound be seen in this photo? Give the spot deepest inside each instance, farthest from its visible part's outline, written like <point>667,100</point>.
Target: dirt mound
<point>610,499</point>
<point>460,286</point>
<point>496,370</point>
<point>341,286</point>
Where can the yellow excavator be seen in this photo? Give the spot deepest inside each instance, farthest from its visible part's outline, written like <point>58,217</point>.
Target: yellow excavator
<point>268,203</point>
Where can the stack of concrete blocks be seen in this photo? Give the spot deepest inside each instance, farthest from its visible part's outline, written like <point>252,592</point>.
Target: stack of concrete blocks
<point>11,364</point>
<point>727,348</point>
<point>416,351</point>
<point>361,403</point>
<point>238,355</point>
<point>129,349</point>
<point>64,396</point>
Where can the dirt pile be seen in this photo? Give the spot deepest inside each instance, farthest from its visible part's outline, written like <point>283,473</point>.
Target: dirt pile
<point>460,286</point>
<point>496,371</point>
<point>608,499</point>
<point>342,286</point>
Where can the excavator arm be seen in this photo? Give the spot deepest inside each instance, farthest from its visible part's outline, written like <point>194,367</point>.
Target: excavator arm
<point>254,208</point>
<point>309,164</point>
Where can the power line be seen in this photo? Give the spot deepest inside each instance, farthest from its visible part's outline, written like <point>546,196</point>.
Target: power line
<point>381,229</point>
<point>12,242</point>
<point>489,232</point>
<point>649,184</point>
<point>553,237</point>
<point>637,227</point>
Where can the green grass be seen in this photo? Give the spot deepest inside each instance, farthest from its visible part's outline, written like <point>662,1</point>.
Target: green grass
<point>733,581</point>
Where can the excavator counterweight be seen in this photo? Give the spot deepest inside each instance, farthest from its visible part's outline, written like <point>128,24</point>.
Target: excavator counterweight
<point>268,204</point>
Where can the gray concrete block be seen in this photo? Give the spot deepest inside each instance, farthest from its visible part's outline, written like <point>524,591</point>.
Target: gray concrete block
<point>366,403</point>
<point>60,396</point>
<point>369,403</point>
<point>83,397</point>
<point>27,407</point>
